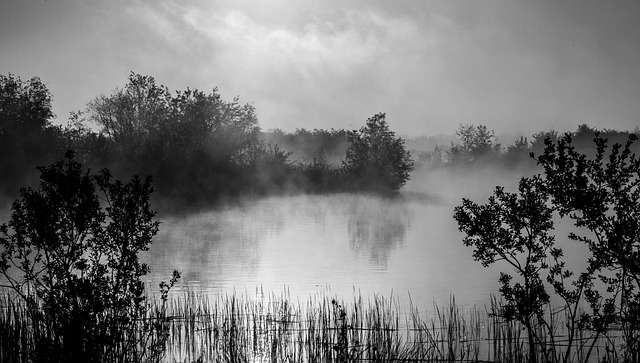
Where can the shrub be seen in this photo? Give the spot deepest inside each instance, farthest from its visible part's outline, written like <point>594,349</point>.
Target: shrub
<point>70,252</point>
<point>376,158</point>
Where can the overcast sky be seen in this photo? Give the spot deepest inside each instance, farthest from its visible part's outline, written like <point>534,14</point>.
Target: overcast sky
<point>515,66</point>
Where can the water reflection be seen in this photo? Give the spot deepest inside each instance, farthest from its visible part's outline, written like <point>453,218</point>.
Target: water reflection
<point>235,243</point>
<point>306,243</point>
<point>377,226</point>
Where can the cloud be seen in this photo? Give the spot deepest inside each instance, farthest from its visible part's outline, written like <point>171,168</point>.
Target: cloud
<point>329,72</point>
<point>429,65</point>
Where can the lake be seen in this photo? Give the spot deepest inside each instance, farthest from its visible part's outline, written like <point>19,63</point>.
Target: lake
<point>318,243</point>
<point>310,244</point>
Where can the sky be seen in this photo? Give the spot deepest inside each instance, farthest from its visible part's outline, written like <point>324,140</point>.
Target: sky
<point>518,67</point>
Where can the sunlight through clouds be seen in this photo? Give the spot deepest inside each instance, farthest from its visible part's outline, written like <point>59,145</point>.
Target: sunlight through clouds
<point>358,54</point>
<point>514,66</point>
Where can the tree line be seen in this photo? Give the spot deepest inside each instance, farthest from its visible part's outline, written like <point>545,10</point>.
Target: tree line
<point>478,146</point>
<point>200,148</point>
<point>197,147</point>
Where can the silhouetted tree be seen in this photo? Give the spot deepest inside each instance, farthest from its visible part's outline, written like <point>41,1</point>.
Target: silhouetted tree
<point>376,158</point>
<point>71,253</point>
<point>538,140</point>
<point>147,123</point>
<point>26,136</point>
<point>25,106</point>
<point>602,195</point>
<point>196,145</point>
<point>513,228</point>
<point>130,115</point>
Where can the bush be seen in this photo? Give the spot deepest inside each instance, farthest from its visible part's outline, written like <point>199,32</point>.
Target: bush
<point>601,195</point>
<point>70,253</point>
<point>376,159</point>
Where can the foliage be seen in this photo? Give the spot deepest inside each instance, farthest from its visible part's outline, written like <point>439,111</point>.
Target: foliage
<point>196,145</point>
<point>26,136</point>
<point>514,227</point>
<point>601,194</point>
<point>602,197</point>
<point>145,120</point>
<point>305,145</point>
<point>376,158</point>
<point>477,143</point>
<point>71,252</point>
<point>517,153</point>
<point>25,106</point>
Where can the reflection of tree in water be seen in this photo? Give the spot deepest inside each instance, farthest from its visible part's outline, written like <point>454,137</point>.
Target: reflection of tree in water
<point>217,245</point>
<point>225,246</point>
<point>376,226</point>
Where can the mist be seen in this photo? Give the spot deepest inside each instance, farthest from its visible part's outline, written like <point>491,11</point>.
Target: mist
<point>332,151</point>
<point>232,196</point>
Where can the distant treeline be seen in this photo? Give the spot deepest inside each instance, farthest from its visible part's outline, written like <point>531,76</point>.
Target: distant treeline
<point>305,145</point>
<point>477,146</point>
<point>197,147</point>
<point>200,148</point>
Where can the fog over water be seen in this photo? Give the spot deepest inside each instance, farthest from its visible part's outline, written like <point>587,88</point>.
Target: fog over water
<point>312,244</point>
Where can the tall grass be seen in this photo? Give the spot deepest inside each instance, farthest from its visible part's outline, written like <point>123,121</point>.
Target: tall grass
<point>271,327</point>
<point>31,336</point>
<point>276,328</point>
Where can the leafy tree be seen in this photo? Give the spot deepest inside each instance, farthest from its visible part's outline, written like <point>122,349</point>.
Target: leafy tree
<point>130,115</point>
<point>90,148</point>
<point>146,122</point>
<point>513,228</point>
<point>376,158</point>
<point>477,143</point>
<point>516,228</point>
<point>194,144</point>
<point>25,106</point>
<point>26,136</point>
<point>601,194</point>
<point>71,252</point>
<point>538,141</point>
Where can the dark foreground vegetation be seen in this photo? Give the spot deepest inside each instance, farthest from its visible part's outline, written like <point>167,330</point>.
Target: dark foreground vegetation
<point>600,195</point>
<point>70,272</point>
<point>277,328</point>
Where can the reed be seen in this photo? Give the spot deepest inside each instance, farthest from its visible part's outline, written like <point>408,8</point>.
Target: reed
<point>269,327</point>
<point>275,328</point>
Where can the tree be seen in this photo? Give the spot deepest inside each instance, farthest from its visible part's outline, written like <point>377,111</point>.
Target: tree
<point>130,115</point>
<point>477,143</point>
<point>25,106</point>
<point>518,153</point>
<point>27,138</point>
<point>513,228</point>
<point>70,253</point>
<point>602,195</point>
<point>194,143</point>
<point>376,158</point>
<point>147,123</point>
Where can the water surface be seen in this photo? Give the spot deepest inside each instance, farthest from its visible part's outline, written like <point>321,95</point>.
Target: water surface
<point>408,245</point>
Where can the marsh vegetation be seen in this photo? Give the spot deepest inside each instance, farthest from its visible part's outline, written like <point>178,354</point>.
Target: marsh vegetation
<point>270,327</point>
